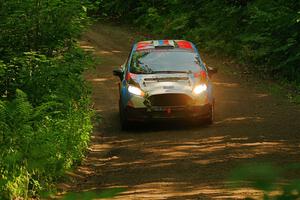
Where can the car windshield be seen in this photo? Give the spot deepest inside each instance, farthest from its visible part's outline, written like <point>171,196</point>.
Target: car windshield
<point>159,61</point>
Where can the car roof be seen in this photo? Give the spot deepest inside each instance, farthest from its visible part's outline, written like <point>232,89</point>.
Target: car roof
<point>164,44</point>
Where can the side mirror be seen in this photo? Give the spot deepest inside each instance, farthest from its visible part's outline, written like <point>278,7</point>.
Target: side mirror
<point>211,71</point>
<point>118,72</point>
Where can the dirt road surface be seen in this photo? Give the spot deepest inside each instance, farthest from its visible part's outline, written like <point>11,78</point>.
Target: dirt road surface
<point>181,161</point>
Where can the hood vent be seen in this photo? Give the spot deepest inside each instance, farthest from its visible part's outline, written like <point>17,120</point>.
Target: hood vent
<point>166,79</point>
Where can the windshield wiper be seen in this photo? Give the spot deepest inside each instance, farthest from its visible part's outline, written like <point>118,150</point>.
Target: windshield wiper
<point>144,69</point>
<point>147,69</point>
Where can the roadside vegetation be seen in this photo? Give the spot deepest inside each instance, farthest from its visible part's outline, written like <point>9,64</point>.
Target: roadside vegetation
<point>263,34</point>
<point>45,115</point>
<point>267,178</point>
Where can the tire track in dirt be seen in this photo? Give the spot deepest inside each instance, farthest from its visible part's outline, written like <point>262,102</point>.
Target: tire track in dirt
<point>171,161</point>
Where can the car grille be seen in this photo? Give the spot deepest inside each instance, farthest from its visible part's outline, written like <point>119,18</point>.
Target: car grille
<point>170,100</point>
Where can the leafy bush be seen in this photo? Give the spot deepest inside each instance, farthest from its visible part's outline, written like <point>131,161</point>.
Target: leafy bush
<point>43,133</point>
<point>45,115</point>
<point>266,178</point>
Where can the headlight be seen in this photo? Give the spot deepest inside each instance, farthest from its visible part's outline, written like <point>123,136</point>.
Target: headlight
<point>200,89</point>
<point>135,90</point>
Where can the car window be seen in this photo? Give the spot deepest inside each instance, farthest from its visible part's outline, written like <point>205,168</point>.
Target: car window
<point>164,61</point>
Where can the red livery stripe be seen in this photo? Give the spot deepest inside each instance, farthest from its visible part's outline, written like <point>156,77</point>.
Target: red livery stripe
<point>130,76</point>
<point>184,45</point>
<point>166,42</point>
<point>143,45</point>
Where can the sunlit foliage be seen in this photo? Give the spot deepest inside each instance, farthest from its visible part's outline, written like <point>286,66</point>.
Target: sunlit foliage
<point>266,178</point>
<point>44,101</point>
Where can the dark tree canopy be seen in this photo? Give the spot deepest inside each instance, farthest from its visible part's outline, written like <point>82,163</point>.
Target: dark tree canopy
<point>262,32</point>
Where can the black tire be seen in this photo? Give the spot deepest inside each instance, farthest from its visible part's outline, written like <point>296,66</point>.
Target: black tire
<point>210,119</point>
<point>123,118</point>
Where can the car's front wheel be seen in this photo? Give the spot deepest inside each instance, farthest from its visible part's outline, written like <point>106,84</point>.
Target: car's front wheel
<point>123,118</point>
<point>210,119</point>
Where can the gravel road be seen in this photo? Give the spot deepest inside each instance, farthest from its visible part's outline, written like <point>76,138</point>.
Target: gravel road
<point>182,161</point>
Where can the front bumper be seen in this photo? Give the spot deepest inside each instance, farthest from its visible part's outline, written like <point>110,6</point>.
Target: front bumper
<point>167,113</point>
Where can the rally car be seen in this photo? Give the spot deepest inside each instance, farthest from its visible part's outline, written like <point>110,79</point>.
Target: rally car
<point>164,80</point>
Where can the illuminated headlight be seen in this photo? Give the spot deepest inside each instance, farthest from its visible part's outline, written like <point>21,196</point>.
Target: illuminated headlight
<point>135,90</point>
<point>200,89</point>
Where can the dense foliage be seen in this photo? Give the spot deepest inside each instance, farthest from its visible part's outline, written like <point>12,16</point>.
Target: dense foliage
<point>262,32</point>
<point>44,102</point>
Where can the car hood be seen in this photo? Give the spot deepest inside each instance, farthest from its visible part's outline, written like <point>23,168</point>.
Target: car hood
<point>166,83</point>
